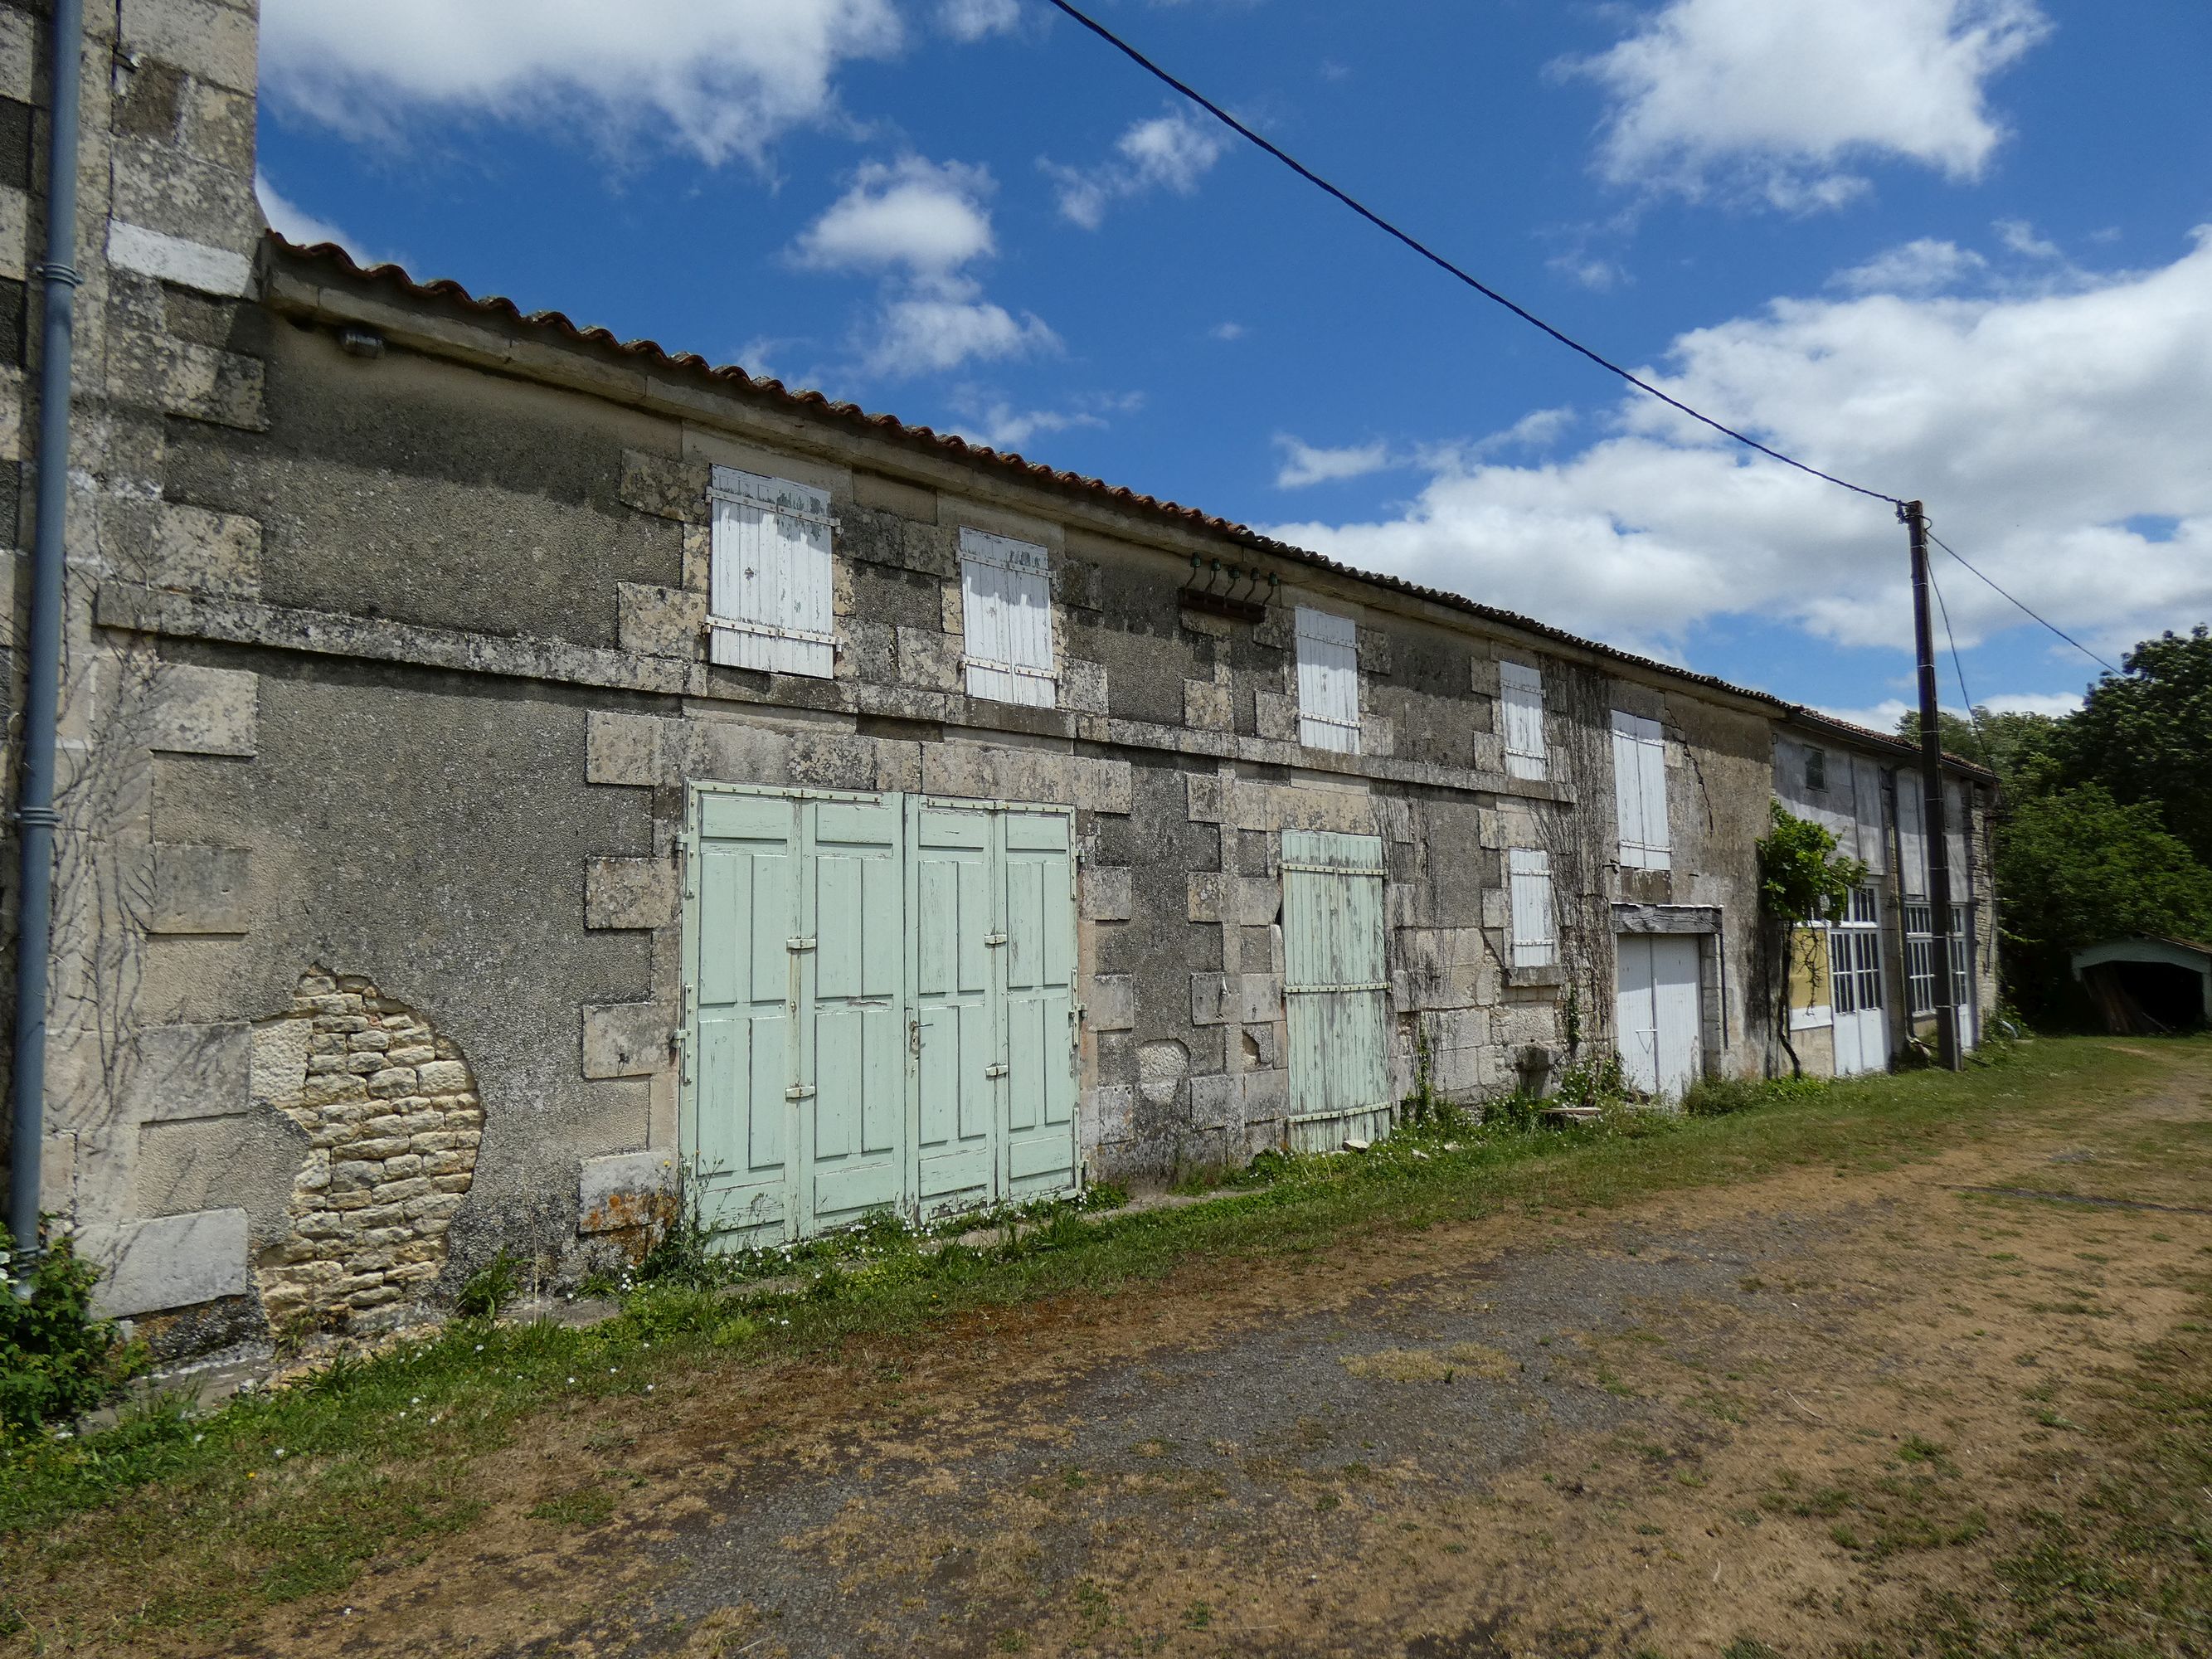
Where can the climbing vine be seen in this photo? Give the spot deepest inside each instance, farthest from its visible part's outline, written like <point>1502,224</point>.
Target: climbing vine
<point>1800,880</point>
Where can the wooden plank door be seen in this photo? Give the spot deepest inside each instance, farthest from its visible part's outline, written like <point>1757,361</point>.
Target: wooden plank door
<point>1675,1012</point>
<point>746,914</point>
<point>1038,979</point>
<point>851,1077</point>
<point>953,1017</point>
<point>1636,1017</point>
<point>1334,988</point>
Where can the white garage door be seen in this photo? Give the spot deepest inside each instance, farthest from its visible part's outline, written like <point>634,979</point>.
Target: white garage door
<point>1656,1012</point>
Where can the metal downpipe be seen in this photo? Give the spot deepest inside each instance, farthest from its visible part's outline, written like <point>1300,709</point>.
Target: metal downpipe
<point>34,811</point>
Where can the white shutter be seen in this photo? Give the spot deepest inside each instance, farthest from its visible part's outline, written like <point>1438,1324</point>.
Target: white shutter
<point>1005,608</point>
<point>1651,745</point>
<point>1639,784</point>
<point>769,604</point>
<point>1521,695</point>
<point>1536,934</point>
<point>1627,790</point>
<point>1911,837</point>
<point>1329,681</point>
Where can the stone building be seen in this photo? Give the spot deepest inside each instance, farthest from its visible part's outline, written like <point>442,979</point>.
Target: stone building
<point>513,776</point>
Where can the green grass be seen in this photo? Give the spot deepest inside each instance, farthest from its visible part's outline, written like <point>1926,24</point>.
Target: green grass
<point>376,1453</point>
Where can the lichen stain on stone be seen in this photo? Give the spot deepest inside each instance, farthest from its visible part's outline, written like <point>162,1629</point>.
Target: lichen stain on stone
<point>393,1121</point>
<point>631,1221</point>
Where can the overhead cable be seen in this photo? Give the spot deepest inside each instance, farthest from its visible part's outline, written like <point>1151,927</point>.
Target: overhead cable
<point>2052,626</point>
<point>1442,263</point>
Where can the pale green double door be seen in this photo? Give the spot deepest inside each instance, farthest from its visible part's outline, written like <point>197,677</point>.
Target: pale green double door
<point>881,1008</point>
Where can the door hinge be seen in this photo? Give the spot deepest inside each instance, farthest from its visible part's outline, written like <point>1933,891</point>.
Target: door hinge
<point>993,940</point>
<point>799,942</point>
<point>994,1071</point>
<point>799,1091</point>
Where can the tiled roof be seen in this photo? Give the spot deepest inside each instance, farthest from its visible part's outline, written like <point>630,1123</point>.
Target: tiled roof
<point>325,258</point>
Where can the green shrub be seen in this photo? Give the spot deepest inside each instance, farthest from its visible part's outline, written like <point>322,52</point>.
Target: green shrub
<point>57,1359</point>
<point>1718,1096</point>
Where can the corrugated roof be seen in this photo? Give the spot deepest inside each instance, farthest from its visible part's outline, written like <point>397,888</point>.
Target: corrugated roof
<point>327,258</point>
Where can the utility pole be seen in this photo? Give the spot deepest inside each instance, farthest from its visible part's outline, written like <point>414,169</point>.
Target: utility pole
<point>1936,838</point>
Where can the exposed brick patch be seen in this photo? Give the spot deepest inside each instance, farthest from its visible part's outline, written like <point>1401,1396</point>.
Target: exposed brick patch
<point>393,1121</point>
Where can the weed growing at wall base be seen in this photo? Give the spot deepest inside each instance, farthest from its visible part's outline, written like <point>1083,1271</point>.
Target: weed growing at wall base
<point>57,1358</point>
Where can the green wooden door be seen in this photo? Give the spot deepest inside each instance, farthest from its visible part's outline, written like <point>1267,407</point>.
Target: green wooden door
<point>1335,985</point>
<point>745,895</point>
<point>954,1013</point>
<point>852,1027</point>
<point>882,996</point>
<point>1037,973</point>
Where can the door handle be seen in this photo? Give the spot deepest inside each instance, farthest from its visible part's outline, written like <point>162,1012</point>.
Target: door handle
<point>994,1071</point>
<point>992,941</point>
<point>799,1091</point>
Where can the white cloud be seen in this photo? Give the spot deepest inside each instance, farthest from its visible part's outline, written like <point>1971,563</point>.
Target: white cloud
<point>2037,426</point>
<point>1587,270</point>
<point>2054,704</point>
<point>2019,236</point>
<point>295,224</point>
<point>1169,152</point>
<point>1777,101</point>
<point>722,78</point>
<point>926,333</point>
<point>1304,464</point>
<point>1923,266</point>
<point>926,216</point>
<point>971,20</point>
<point>997,423</point>
<point>1228,332</point>
<point>1882,717</point>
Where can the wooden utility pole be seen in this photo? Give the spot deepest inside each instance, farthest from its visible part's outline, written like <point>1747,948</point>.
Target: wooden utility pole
<point>1933,817</point>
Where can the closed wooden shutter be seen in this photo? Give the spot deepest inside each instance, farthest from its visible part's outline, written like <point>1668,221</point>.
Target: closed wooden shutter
<point>1521,697</point>
<point>1006,602</point>
<point>1329,681</point>
<point>769,600</point>
<point>1335,988</point>
<point>1639,779</point>
<point>1536,934</point>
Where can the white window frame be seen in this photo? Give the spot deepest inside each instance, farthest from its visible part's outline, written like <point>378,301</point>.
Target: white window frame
<point>779,618</point>
<point>1639,774</point>
<point>1919,958</point>
<point>1021,665</point>
<point>1531,908</point>
<point>1329,681</point>
<point>1521,716</point>
<point>1854,954</point>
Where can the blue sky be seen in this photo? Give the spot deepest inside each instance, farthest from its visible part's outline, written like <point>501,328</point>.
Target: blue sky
<point>1948,247</point>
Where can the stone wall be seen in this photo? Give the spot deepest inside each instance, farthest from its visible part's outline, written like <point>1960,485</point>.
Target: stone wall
<point>393,1120</point>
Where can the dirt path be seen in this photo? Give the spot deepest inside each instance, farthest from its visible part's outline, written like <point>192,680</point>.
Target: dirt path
<point>1798,1412</point>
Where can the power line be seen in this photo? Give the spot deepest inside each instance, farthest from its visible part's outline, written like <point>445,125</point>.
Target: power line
<point>1973,715</point>
<point>2052,626</point>
<point>1439,259</point>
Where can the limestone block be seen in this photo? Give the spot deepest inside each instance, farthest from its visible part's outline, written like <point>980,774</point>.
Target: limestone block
<point>629,893</point>
<point>1209,896</point>
<point>1215,1101</point>
<point>1112,1003</point>
<point>20,50</point>
<point>1397,818</point>
<point>179,260</point>
<point>218,126</point>
<point>1111,1118</point>
<point>169,1261</point>
<point>1258,899</point>
<point>728,752</point>
<point>1211,1000</point>
<point>964,769</point>
<point>1262,1047</point>
<point>833,761</point>
<point>898,765</point>
<point>625,1190</point>
<point>196,552</point>
<point>204,38</point>
<point>622,749</point>
<point>1375,656</point>
<point>911,501</point>
<point>1208,797</point>
<point>205,711</point>
<point>1266,1094</point>
<point>1278,716</point>
<point>659,622</point>
<point>1083,688</point>
<point>222,387</point>
<point>1378,735</point>
<point>172,1072</point>
<point>928,659</point>
<point>1105,786</point>
<point>1107,895</point>
<point>666,486</point>
<point>1497,907</point>
<point>199,889</point>
<point>1260,998</point>
<point>1207,707</point>
<point>626,1039</point>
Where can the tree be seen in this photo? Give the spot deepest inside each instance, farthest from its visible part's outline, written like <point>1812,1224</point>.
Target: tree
<point>2146,735</point>
<point>2075,867</point>
<point>1801,879</point>
<point>2023,750</point>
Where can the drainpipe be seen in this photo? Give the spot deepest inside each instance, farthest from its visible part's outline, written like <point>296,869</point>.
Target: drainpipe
<point>34,810</point>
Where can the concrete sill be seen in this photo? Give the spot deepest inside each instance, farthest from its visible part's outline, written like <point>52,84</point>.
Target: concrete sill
<point>1519,978</point>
